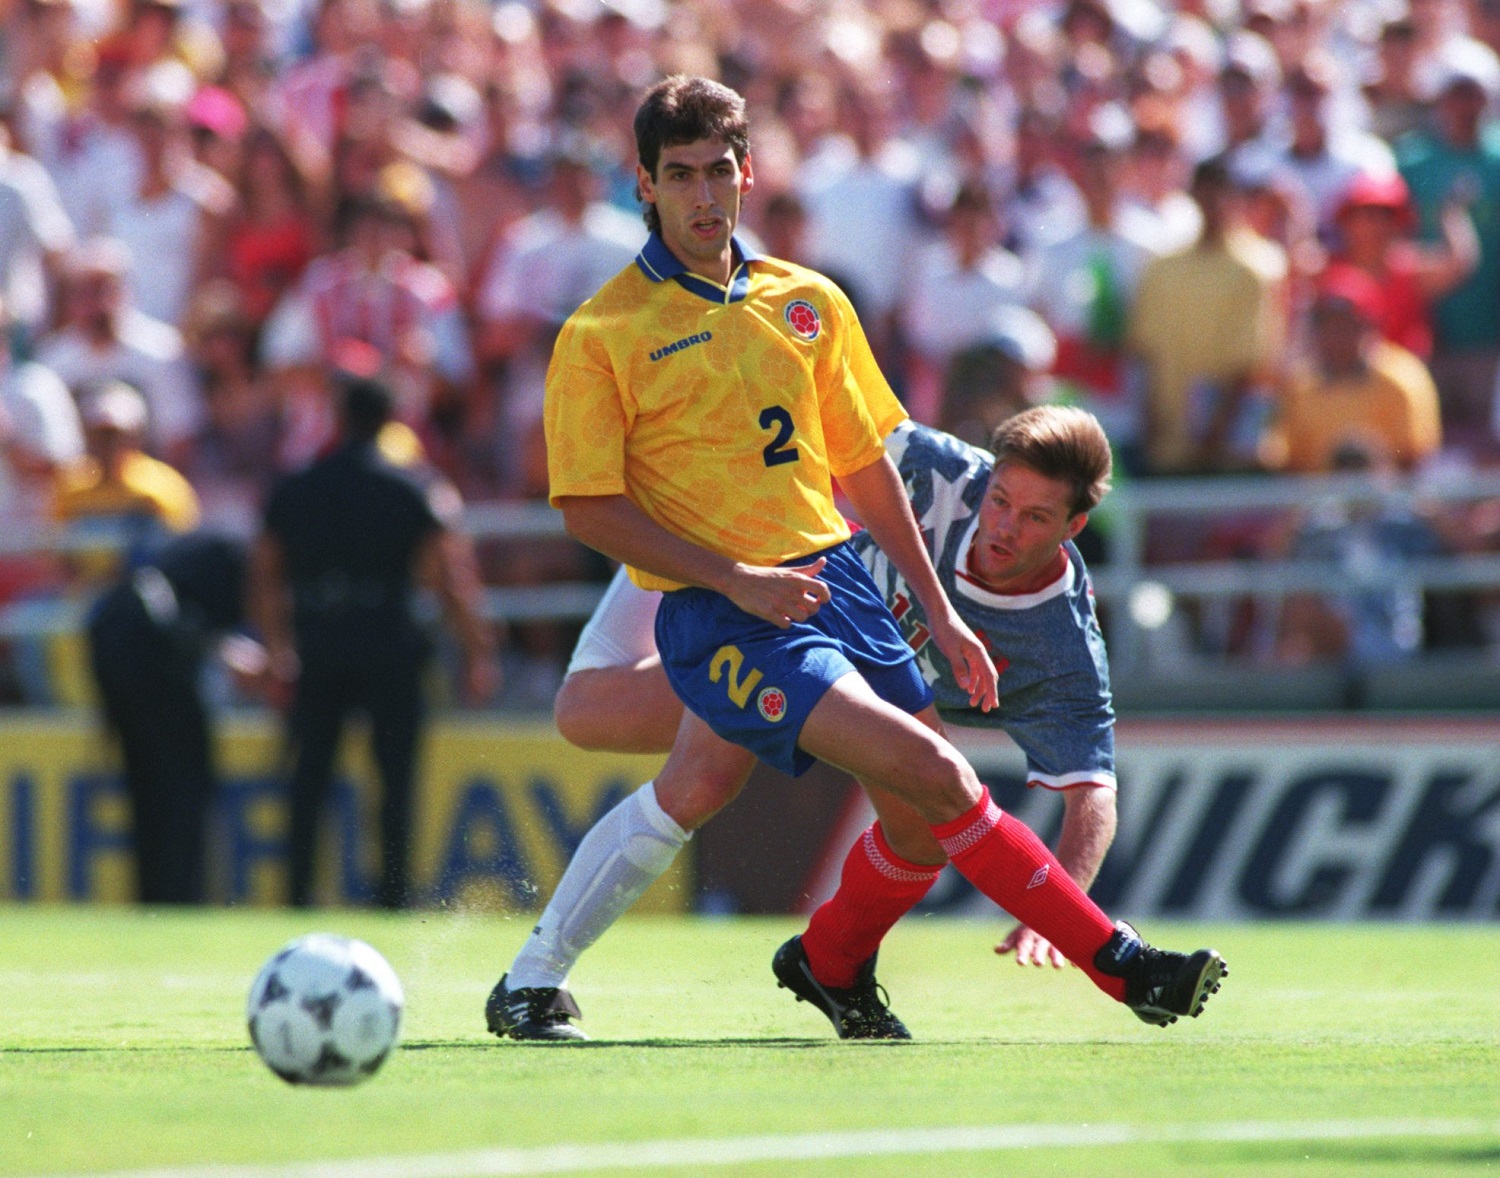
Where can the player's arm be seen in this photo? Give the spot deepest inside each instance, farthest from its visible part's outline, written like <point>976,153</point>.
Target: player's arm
<point>446,562</point>
<point>270,609</point>
<point>1443,265</point>
<point>1088,829</point>
<point>615,526</point>
<point>879,498</point>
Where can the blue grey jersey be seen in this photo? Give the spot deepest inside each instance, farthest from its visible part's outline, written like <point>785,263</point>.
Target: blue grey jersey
<point>1054,674</point>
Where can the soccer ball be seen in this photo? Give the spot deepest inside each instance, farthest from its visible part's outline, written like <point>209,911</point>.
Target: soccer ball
<point>325,1010</point>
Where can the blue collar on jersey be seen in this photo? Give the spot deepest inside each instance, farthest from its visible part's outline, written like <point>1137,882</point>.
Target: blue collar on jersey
<point>658,263</point>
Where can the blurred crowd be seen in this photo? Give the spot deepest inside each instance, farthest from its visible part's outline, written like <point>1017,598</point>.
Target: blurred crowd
<point>1248,234</point>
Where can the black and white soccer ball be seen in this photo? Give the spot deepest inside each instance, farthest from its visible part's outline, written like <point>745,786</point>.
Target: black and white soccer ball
<point>325,1010</point>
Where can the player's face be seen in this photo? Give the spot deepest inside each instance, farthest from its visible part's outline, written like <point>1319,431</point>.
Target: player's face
<point>697,192</point>
<point>1023,519</point>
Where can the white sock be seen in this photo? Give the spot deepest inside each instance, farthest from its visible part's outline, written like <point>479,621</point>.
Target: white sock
<point>624,854</point>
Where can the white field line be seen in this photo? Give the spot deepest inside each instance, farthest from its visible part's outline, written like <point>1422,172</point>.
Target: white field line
<point>723,1151</point>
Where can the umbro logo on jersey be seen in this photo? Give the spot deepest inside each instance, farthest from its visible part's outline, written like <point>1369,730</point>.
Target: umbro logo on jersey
<point>1039,877</point>
<point>802,318</point>
<point>701,338</point>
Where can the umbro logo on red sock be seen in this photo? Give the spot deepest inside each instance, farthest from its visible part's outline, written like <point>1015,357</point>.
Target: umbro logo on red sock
<point>1039,877</point>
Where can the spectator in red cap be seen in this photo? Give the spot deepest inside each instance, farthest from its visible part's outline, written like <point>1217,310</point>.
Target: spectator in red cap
<point>1374,220</point>
<point>217,122</point>
<point>1356,389</point>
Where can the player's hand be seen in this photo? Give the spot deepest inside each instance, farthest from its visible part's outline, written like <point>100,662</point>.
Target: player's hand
<point>279,680</point>
<point>246,658</point>
<point>1031,948</point>
<point>779,595</point>
<point>972,666</point>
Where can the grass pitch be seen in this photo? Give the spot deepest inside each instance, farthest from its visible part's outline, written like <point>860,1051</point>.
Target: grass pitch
<point>1331,1050</point>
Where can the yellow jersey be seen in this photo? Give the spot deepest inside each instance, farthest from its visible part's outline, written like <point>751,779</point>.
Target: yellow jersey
<point>146,487</point>
<point>723,412</point>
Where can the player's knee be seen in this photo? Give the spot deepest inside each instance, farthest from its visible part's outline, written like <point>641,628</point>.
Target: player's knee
<point>691,803</point>
<point>913,841</point>
<point>946,783</point>
<point>579,723</point>
<point>693,789</point>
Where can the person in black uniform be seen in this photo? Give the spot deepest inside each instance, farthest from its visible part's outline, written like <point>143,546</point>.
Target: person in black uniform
<point>334,572</point>
<point>148,636</point>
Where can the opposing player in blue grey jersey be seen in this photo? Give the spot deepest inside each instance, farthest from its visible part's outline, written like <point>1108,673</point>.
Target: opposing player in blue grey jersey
<point>1002,546</point>
<point>1046,643</point>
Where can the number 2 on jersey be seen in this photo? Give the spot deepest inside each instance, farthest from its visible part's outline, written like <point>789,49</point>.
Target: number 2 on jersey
<point>779,450</point>
<point>732,659</point>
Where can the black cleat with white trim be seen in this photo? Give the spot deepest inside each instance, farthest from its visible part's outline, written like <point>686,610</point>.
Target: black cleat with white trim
<point>541,1014</point>
<point>860,1012</point>
<point>1160,986</point>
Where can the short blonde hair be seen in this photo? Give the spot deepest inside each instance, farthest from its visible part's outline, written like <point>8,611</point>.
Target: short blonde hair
<point>1060,442</point>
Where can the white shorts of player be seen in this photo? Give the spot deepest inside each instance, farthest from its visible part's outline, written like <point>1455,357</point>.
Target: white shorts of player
<point>622,630</point>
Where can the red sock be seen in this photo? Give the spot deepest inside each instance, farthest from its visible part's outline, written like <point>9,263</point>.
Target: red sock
<point>877,889</point>
<point>1008,863</point>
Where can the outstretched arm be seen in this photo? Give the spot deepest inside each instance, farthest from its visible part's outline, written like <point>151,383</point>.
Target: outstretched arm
<point>1088,829</point>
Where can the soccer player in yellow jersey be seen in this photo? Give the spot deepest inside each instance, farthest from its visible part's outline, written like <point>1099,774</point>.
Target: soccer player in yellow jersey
<point>698,409</point>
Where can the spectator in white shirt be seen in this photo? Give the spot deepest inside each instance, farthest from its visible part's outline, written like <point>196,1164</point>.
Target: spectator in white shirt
<point>1321,153</point>
<point>860,190</point>
<point>104,337</point>
<point>954,287</point>
<point>91,155</point>
<point>35,233</point>
<point>39,433</point>
<point>1085,283</point>
<point>173,217</point>
<point>1040,203</point>
<point>545,268</point>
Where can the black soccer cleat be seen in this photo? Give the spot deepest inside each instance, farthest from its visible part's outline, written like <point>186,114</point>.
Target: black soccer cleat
<point>862,1011</point>
<point>536,1013</point>
<point>1160,986</point>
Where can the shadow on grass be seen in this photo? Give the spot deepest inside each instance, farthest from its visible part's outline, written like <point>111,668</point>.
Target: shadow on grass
<point>654,1044</point>
<point>127,1049</point>
<point>1403,1157</point>
<point>489,1045</point>
<point>773,1044</point>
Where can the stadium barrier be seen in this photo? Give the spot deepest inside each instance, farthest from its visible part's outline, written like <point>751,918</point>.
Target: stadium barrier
<point>1348,819</point>
<point>1230,820</point>
<point>1143,594</point>
<point>501,809</point>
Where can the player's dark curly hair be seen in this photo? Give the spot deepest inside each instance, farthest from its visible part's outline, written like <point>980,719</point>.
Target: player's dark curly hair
<point>683,109</point>
<point>1059,442</point>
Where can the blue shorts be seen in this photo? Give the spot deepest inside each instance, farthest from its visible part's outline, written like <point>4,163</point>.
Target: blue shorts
<point>755,684</point>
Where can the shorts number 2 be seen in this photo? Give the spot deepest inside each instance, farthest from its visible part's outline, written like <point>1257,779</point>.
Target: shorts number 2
<point>731,658</point>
